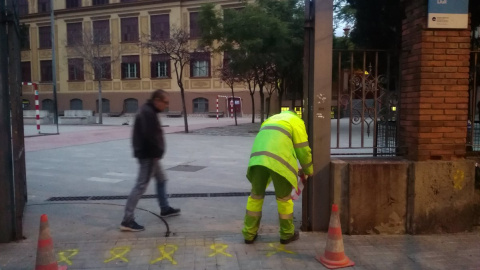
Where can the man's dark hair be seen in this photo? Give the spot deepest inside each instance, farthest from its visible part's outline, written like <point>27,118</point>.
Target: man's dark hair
<point>159,93</point>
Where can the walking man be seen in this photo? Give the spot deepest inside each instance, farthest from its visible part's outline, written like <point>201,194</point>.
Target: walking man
<point>281,141</point>
<point>148,147</point>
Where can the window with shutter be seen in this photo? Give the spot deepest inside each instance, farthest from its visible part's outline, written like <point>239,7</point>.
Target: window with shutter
<point>22,7</point>
<point>75,69</point>
<point>99,2</point>
<point>200,64</point>
<point>160,27</point>
<point>43,6</point>
<point>129,29</point>
<point>45,38</point>
<point>73,3</point>
<point>160,66</point>
<point>102,69</point>
<point>46,70</point>
<point>101,32</point>
<point>74,34</point>
<point>26,72</point>
<point>131,67</point>
<point>194,27</point>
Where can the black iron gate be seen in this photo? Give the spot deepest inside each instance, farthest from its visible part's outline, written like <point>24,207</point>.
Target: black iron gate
<point>365,103</point>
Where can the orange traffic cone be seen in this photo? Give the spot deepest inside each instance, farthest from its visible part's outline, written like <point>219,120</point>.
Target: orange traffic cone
<point>45,254</point>
<point>334,256</point>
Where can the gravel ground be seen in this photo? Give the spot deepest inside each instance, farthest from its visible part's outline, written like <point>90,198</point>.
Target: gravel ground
<point>244,130</point>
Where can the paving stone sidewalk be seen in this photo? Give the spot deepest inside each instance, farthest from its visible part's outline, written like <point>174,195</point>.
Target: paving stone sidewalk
<point>433,252</point>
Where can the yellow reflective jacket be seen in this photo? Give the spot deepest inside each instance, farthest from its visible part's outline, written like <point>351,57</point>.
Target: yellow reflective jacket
<point>281,141</point>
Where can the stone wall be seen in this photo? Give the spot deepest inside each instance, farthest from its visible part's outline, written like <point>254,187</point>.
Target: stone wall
<point>396,196</point>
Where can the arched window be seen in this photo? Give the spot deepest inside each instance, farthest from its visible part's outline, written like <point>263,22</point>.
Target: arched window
<point>47,105</point>
<point>105,105</point>
<point>200,105</point>
<point>76,104</point>
<point>130,105</point>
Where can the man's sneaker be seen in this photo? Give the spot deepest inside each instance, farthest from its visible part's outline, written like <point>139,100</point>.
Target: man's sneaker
<point>294,237</point>
<point>248,242</point>
<point>170,212</point>
<point>131,226</point>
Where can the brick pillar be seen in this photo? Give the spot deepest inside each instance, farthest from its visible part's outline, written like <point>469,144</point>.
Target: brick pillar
<point>434,88</point>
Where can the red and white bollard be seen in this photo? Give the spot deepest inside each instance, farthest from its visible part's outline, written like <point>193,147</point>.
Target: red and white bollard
<point>37,105</point>
<point>231,108</point>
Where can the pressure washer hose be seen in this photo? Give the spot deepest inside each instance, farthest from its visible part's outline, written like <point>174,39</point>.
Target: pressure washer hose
<point>167,234</point>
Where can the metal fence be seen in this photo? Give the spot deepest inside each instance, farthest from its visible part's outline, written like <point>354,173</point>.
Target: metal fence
<point>473,136</point>
<point>365,98</point>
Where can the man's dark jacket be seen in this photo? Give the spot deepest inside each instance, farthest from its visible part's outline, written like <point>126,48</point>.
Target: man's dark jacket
<point>147,139</point>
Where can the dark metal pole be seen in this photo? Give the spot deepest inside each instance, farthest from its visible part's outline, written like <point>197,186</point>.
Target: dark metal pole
<point>319,122</point>
<point>19,185</point>
<point>6,170</point>
<point>54,66</point>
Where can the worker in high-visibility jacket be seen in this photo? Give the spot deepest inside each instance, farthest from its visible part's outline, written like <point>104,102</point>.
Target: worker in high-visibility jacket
<point>282,140</point>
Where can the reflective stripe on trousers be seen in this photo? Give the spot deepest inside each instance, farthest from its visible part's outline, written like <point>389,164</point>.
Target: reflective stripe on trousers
<point>283,188</point>
<point>252,217</point>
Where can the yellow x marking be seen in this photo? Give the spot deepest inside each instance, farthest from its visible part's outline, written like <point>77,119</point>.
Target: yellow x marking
<point>118,252</point>
<point>166,255</point>
<point>278,248</point>
<point>219,249</point>
<point>64,258</point>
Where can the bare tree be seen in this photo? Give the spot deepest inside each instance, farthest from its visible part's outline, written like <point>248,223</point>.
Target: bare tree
<point>95,50</point>
<point>230,78</point>
<point>177,48</point>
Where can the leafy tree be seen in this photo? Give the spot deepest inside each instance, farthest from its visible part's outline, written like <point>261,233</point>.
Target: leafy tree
<point>288,63</point>
<point>255,36</point>
<point>378,23</point>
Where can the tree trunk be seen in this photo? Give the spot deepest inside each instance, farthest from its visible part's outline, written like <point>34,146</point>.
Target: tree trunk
<point>280,99</point>
<point>234,107</point>
<point>268,105</point>
<point>100,103</point>
<point>184,108</point>
<point>253,106</point>
<point>262,104</point>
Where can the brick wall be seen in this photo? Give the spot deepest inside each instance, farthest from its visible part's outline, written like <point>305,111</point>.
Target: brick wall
<point>434,91</point>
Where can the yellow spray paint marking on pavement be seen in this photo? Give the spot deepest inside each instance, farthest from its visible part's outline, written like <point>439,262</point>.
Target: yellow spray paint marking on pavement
<point>118,253</point>
<point>66,258</point>
<point>278,248</point>
<point>458,179</point>
<point>166,255</point>
<point>219,249</point>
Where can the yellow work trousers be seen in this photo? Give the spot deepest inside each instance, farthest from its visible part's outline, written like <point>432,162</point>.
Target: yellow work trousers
<point>261,177</point>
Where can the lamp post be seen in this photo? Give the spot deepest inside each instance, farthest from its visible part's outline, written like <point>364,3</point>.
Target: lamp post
<point>54,66</point>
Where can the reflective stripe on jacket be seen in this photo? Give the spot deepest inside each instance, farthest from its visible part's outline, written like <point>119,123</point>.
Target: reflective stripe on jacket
<point>281,141</point>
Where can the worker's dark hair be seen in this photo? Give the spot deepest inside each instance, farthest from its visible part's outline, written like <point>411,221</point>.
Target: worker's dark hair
<point>159,93</point>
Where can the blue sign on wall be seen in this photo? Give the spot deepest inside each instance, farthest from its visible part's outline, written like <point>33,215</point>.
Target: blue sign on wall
<point>448,14</point>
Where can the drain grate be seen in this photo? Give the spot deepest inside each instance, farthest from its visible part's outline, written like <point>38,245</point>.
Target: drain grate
<point>153,196</point>
<point>186,168</point>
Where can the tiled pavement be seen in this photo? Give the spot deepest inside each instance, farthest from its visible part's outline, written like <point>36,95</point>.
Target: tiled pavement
<point>453,251</point>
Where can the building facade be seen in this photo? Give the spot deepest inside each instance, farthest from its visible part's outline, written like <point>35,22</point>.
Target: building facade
<point>128,81</point>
